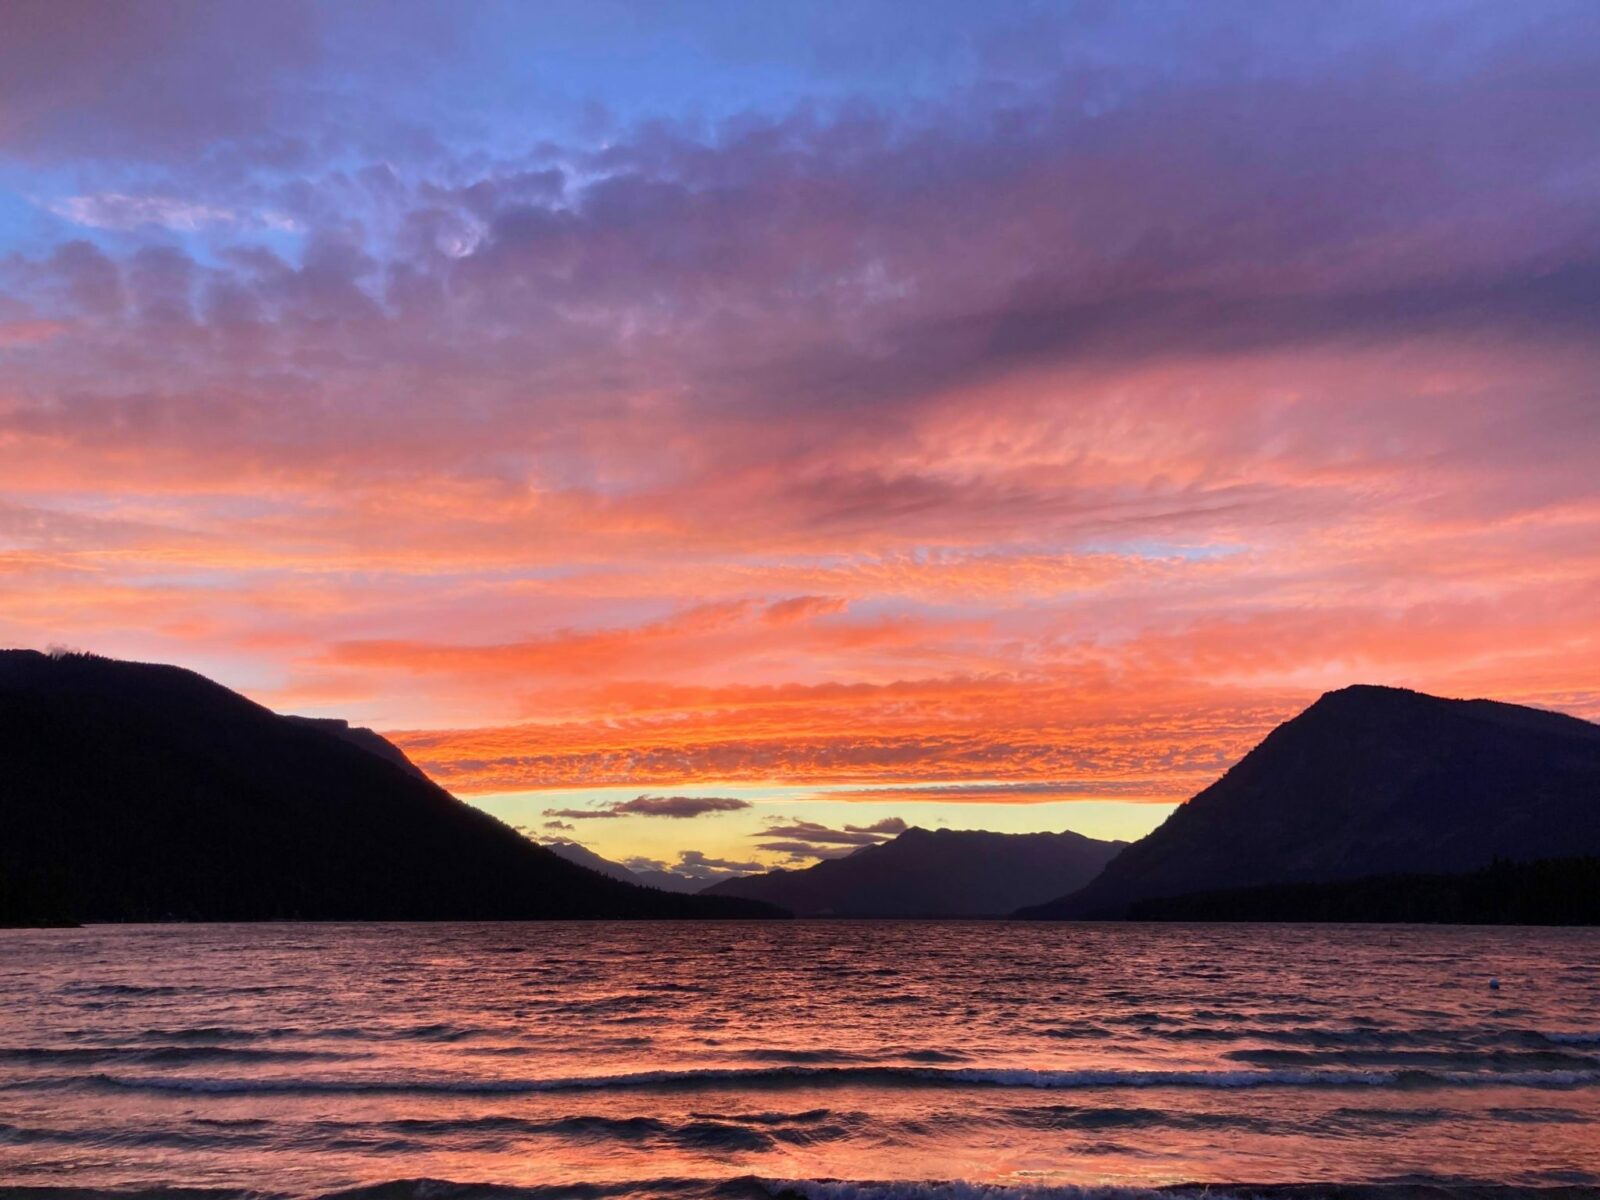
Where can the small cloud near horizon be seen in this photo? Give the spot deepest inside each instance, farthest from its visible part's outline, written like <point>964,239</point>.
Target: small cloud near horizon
<point>801,851</point>
<point>677,807</point>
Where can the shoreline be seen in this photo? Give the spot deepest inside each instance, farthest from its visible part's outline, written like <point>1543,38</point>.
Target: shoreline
<point>751,1187</point>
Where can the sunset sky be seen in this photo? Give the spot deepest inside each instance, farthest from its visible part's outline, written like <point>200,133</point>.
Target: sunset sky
<point>997,415</point>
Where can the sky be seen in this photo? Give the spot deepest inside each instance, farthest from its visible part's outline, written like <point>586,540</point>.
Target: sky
<point>990,416</point>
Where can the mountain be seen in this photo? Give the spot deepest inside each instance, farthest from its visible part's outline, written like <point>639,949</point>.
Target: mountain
<point>131,791</point>
<point>367,739</point>
<point>1550,891</point>
<point>574,852</point>
<point>667,881</point>
<point>932,873</point>
<point>1370,781</point>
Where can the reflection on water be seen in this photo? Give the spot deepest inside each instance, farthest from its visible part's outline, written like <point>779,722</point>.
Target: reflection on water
<point>729,1058</point>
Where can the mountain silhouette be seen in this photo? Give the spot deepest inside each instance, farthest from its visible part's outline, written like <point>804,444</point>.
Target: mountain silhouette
<point>367,739</point>
<point>1370,781</point>
<point>132,791</point>
<point>667,881</point>
<point>932,873</point>
<point>1547,891</point>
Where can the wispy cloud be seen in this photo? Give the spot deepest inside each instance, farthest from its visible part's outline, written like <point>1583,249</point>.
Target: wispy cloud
<point>117,210</point>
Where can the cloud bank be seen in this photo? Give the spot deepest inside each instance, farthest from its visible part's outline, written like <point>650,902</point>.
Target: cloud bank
<point>1039,411</point>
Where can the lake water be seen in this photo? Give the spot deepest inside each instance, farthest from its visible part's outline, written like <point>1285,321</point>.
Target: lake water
<point>841,1059</point>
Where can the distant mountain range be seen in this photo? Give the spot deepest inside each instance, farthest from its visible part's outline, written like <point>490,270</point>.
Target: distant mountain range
<point>133,792</point>
<point>1369,781</point>
<point>933,873</point>
<point>667,881</point>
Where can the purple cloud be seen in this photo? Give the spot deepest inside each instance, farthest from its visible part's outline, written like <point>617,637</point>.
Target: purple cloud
<point>679,807</point>
<point>802,851</point>
<point>850,835</point>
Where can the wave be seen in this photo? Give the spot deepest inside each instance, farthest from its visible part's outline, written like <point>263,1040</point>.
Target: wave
<point>718,1133</point>
<point>216,1033</point>
<point>1463,1038</point>
<point>123,1139</point>
<point>85,988</point>
<point>438,1031</point>
<point>1100,1118</point>
<point>818,1076</point>
<point>1271,1078</point>
<point>160,1055</point>
<point>1503,1060</point>
<point>697,1133</point>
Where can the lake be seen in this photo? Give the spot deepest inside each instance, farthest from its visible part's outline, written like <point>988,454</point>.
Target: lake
<point>825,1059</point>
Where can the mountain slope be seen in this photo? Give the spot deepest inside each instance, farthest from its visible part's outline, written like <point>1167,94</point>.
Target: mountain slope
<point>367,739</point>
<point>575,852</point>
<point>933,873</point>
<point>131,791</point>
<point>1371,781</point>
<point>1549,891</point>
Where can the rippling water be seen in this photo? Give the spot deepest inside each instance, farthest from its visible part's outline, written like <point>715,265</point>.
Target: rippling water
<point>750,1059</point>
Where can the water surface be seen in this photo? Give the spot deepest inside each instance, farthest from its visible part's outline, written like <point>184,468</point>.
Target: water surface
<point>741,1059</point>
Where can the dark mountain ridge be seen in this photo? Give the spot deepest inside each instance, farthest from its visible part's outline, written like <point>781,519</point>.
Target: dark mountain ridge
<point>1370,781</point>
<point>369,740</point>
<point>1549,891</point>
<point>932,873</point>
<point>133,791</point>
